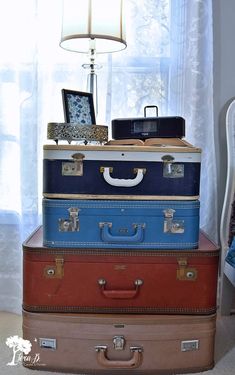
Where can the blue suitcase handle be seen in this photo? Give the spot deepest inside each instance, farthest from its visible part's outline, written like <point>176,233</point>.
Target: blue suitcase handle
<point>106,236</point>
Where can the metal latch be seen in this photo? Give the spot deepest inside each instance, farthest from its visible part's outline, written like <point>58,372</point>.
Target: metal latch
<point>102,169</point>
<point>118,342</point>
<point>171,169</point>
<point>56,271</point>
<point>72,223</point>
<point>189,345</point>
<point>101,348</point>
<point>47,343</point>
<point>184,272</point>
<point>171,225</point>
<point>75,167</point>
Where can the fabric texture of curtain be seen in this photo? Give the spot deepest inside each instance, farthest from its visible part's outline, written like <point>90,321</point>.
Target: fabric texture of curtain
<point>168,62</point>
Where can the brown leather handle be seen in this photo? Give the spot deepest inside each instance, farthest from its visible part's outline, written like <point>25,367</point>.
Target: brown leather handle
<point>120,294</point>
<point>133,362</point>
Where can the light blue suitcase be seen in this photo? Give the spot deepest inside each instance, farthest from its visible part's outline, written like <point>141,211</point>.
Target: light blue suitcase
<point>121,224</point>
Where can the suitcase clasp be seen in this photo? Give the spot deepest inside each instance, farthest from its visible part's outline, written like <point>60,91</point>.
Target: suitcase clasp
<point>75,167</point>
<point>71,224</point>
<point>118,342</point>
<point>184,272</point>
<point>170,225</point>
<point>47,343</point>
<point>171,169</point>
<point>189,345</point>
<point>55,272</point>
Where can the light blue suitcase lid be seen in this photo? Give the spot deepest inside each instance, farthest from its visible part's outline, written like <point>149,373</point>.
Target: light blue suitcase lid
<point>149,208</point>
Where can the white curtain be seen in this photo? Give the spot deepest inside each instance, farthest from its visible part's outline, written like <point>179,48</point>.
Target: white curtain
<point>168,62</point>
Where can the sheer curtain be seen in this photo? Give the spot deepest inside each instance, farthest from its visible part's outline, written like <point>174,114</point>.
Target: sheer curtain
<point>168,62</point>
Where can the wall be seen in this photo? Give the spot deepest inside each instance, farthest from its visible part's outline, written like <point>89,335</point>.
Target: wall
<point>224,79</point>
<point>224,93</point>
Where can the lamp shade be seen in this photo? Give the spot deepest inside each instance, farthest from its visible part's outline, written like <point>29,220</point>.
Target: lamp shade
<point>98,20</point>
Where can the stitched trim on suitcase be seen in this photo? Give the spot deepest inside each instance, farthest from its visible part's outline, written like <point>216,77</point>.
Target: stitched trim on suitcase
<point>195,205</point>
<point>119,252</point>
<point>135,310</point>
<point>138,372</point>
<point>157,245</point>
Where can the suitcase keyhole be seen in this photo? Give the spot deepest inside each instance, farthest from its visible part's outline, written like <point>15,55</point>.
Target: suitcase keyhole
<point>190,275</point>
<point>50,272</point>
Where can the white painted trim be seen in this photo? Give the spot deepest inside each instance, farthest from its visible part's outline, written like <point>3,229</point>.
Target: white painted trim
<point>124,155</point>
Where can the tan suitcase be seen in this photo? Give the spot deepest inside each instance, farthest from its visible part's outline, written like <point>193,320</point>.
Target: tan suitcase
<point>119,344</point>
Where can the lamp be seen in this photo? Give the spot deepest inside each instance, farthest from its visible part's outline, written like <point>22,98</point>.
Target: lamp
<point>93,27</point>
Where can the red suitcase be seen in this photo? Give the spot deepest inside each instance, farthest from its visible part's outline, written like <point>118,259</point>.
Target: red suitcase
<point>119,281</point>
<point>119,344</point>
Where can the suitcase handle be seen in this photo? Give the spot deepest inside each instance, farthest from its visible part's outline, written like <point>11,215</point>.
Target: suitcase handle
<point>150,106</point>
<point>133,362</point>
<point>120,294</point>
<point>106,236</point>
<point>123,182</point>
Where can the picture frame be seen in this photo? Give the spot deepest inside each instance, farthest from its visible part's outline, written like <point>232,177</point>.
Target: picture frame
<point>78,107</point>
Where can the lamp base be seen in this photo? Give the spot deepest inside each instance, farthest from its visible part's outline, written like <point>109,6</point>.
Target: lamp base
<point>92,84</point>
<point>92,77</point>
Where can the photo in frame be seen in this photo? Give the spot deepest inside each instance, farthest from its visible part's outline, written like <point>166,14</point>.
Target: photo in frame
<point>78,107</point>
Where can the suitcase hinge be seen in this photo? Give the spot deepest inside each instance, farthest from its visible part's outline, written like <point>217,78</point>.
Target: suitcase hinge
<point>170,225</point>
<point>184,272</point>
<point>75,167</point>
<point>55,272</point>
<point>171,169</point>
<point>72,223</point>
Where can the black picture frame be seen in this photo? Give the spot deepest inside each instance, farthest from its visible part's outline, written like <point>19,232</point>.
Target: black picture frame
<point>78,107</point>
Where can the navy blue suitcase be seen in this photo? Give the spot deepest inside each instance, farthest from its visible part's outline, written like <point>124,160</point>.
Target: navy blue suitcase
<point>121,224</point>
<point>166,170</point>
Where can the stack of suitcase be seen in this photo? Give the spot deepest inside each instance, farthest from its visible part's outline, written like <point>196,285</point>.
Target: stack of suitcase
<point>119,278</point>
